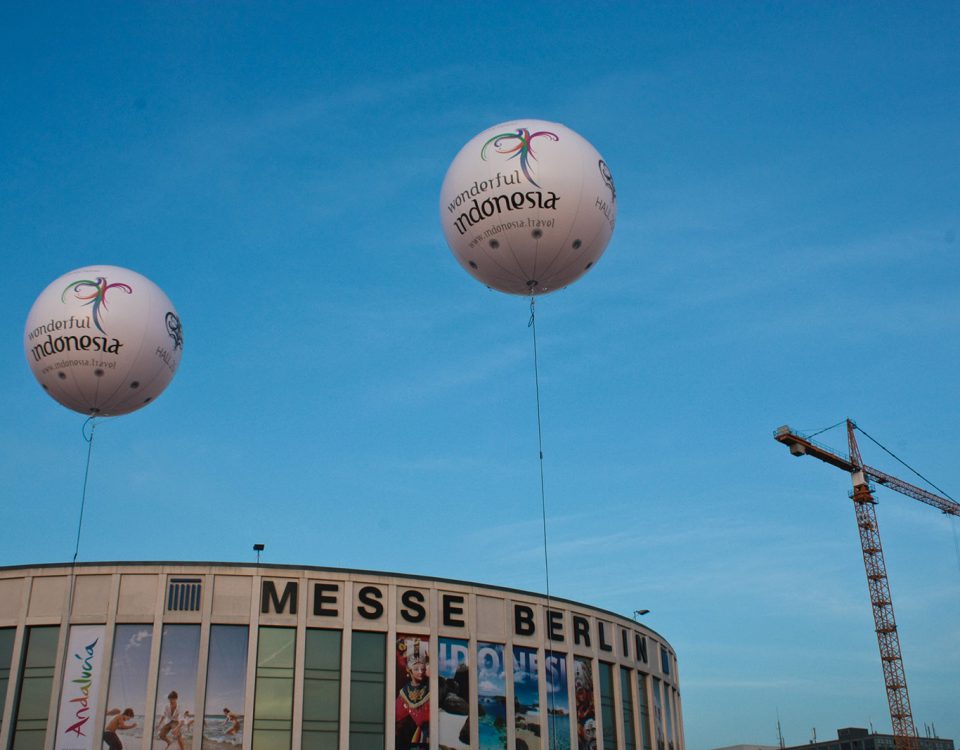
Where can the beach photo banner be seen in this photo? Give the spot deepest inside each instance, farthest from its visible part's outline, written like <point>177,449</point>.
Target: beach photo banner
<point>491,697</point>
<point>82,678</point>
<point>226,688</point>
<point>127,699</point>
<point>558,700</point>
<point>175,710</point>
<point>526,697</point>
<point>453,687</point>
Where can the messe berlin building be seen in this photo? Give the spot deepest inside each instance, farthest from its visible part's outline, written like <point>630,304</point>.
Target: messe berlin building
<point>208,656</point>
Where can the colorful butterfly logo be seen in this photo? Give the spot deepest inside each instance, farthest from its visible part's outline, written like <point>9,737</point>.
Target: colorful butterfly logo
<point>97,298</point>
<point>523,147</point>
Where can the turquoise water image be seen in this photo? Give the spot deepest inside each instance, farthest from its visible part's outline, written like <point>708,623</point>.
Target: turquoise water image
<point>492,724</point>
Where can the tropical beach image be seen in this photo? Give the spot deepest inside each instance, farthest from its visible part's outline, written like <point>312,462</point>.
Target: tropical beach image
<point>223,719</point>
<point>558,701</point>
<point>222,731</point>
<point>491,697</point>
<point>175,712</point>
<point>127,696</point>
<point>454,694</point>
<point>526,699</point>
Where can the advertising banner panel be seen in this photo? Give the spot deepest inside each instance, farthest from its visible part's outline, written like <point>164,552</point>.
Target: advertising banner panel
<point>586,707</point>
<point>526,697</point>
<point>453,687</point>
<point>176,687</point>
<point>491,697</point>
<point>82,677</point>
<point>127,699</point>
<point>226,688</point>
<point>413,692</point>
<point>558,700</point>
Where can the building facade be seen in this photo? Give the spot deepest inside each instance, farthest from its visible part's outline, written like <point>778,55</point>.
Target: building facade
<point>198,656</point>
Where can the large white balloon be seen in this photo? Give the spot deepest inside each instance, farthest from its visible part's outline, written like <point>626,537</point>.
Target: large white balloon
<point>103,340</point>
<point>528,206</point>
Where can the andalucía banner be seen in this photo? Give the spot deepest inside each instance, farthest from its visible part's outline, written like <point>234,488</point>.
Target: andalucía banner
<point>82,676</point>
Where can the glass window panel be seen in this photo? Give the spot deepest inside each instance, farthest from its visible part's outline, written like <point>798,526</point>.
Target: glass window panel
<point>273,693</point>
<point>29,740</point>
<point>42,647</point>
<point>36,687</point>
<point>607,713</point>
<point>321,690</point>
<point>626,696</point>
<point>369,652</point>
<point>275,648</point>
<point>643,708</point>
<point>267,739</point>
<point>323,650</point>
<point>367,690</point>
<point>366,741</point>
<point>658,715</point>
<point>274,698</point>
<point>7,636</point>
<point>35,699</point>
<point>223,717</point>
<point>668,715</point>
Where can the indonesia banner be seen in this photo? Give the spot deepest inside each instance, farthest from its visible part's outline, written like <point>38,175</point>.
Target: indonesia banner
<point>82,676</point>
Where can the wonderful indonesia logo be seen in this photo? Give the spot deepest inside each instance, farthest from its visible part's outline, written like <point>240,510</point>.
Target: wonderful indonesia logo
<point>514,145</point>
<point>89,293</point>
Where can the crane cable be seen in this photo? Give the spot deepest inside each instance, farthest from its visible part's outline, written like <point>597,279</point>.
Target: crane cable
<point>895,456</point>
<point>814,434</point>
<point>953,524</point>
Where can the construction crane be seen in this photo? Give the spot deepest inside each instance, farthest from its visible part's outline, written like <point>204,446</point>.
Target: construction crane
<point>901,717</point>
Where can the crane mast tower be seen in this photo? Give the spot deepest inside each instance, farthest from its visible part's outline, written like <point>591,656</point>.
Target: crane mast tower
<point>901,716</point>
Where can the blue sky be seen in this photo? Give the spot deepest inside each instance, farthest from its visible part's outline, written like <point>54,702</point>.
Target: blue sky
<point>785,252</point>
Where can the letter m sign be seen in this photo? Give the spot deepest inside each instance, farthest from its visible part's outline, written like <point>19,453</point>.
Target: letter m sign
<point>272,601</point>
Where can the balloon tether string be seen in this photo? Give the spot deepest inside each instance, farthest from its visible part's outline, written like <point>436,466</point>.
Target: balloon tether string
<point>86,475</point>
<point>532,325</point>
<point>76,548</point>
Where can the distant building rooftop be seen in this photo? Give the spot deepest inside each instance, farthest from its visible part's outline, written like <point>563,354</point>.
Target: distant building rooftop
<point>857,738</point>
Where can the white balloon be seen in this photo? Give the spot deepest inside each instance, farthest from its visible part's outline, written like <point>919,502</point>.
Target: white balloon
<point>103,340</point>
<point>528,206</point>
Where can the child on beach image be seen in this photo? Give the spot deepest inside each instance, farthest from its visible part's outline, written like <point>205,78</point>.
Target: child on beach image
<point>169,721</point>
<point>231,722</point>
<point>119,721</point>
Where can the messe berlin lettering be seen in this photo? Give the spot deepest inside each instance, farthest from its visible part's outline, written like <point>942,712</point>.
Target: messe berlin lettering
<point>281,598</point>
